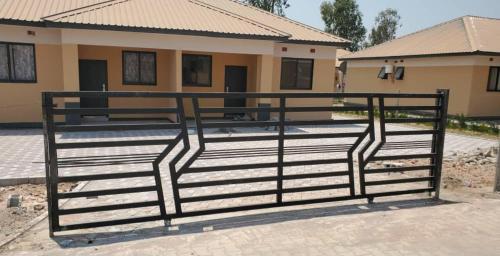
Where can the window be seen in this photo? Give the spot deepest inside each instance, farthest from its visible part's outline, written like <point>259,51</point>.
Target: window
<point>296,73</point>
<point>400,73</point>
<point>139,68</point>
<point>196,70</point>
<point>17,63</point>
<point>382,74</point>
<point>494,79</point>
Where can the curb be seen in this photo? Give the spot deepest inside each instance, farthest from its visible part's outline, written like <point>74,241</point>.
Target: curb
<point>21,181</point>
<point>38,219</point>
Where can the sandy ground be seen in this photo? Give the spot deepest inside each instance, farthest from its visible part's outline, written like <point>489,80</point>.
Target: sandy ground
<point>13,220</point>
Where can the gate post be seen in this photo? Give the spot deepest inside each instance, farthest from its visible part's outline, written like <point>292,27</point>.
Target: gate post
<point>439,145</point>
<point>496,188</point>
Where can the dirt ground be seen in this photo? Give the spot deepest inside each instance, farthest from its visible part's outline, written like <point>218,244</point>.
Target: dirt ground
<point>14,219</point>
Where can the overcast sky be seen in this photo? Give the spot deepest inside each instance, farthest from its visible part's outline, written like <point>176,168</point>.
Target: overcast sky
<point>415,14</point>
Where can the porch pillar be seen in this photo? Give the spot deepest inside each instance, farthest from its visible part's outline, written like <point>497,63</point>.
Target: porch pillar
<point>71,79</point>
<point>264,82</point>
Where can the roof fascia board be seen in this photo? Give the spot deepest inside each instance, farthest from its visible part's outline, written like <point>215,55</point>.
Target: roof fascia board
<point>424,55</point>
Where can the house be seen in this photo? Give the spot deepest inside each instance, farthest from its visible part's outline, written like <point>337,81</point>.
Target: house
<point>153,45</point>
<point>462,54</point>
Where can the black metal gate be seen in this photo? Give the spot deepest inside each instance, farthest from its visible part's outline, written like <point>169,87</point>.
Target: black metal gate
<point>362,140</point>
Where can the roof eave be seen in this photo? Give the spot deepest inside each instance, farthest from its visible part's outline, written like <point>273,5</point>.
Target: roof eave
<point>323,43</point>
<point>161,31</point>
<point>424,55</point>
<point>22,23</point>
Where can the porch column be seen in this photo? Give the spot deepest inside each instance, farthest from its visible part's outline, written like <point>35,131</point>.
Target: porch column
<point>264,82</point>
<point>71,80</point>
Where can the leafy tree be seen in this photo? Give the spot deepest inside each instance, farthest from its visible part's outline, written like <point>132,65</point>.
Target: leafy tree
<point>343,18</point>
<point>274,6</point>
<point>386,25</point>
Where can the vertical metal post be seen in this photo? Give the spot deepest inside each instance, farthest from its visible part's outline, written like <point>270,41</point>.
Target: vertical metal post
<point>371,128</point>
<point>444,94</point>
<point>496,188</point>
<point>199,126</point>
<point>52,170</point>
<point>281,149</point>
<point>47,160</point>
<point>381,106</point>
<point>435,127</point>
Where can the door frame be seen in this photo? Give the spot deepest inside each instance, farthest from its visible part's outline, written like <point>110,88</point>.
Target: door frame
<point>106,88</point>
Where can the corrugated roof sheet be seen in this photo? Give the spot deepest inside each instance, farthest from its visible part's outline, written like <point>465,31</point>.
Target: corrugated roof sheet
<point>208,17</point>
<point>463,35</point>
<point>34,10</point>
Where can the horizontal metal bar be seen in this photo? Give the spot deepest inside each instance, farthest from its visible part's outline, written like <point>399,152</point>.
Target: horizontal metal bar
<point>107,157</point>
<point>400,192</point>
<point>115,127</point>
<point>412,132</point>
<point>397,157</point>
<point>240,138</point>
<point>239,124</point>
<point>397,181</point>
<point>315,188</point>
<point>316,162</point>
<point>402,108</point>
<point>269,152</point>
<point>411,120</point>
<point>107,207</point>
<point>328,122</point>
<point>323,135</point>
<point>237,110</point>
<point>398,169</point>
<point>103,144</point>
<point>229,167</point>
<point>226,182</point>
<point>116,191</point>
<point>106,176</point>
<point>104,111</point>
<point>108,223</point>
<point>332,109</point>
<point>228,196</point>
<point>98,94</point>
<point>314,175</point>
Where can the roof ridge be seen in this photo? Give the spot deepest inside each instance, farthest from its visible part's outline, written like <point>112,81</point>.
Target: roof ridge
<point>291,21</point>
<point>251,21</point>
<point>85,8</point>
<point>410,34</point>
<point>471,32</point>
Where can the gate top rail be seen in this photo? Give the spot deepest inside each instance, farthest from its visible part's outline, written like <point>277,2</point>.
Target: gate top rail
<point>98,94</point>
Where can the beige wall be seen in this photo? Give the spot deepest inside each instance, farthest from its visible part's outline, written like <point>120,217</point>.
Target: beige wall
<point>465,76</point>
<point>416,80</point>
<point>219,62</point>
<point>165,80</point>
<point>483,102</point>
<point>21,102</point>
<point>323,81</point>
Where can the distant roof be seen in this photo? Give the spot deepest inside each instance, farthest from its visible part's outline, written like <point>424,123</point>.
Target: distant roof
<point>461,36</point>
<point>341,53</point>
<point>221,18</point>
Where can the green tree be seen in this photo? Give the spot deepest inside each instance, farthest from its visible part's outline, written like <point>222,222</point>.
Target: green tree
<point>343,18</point>
<point>386,26</point>
<point>274,6</point>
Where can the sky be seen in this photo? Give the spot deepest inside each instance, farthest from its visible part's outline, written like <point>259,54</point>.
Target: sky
<point>415,14</point>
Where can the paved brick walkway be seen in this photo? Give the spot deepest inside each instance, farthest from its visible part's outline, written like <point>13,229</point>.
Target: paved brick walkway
<point>409,226</point>
<point>21,151</point>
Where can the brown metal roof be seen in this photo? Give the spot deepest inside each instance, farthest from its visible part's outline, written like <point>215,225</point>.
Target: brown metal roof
<point>461,36</point>
<point>224,18</point>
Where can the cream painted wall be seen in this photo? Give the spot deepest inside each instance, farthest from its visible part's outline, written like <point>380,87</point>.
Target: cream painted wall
<point>323,81</point>
<point>465,76</point>
<point>416,80</point>
<point>483,102</point>
<point>21,102</point>
<point>113,56</point>
<point>219,62</point>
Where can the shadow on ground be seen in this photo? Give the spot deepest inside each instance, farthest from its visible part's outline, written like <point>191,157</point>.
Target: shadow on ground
<point>96,239</point>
